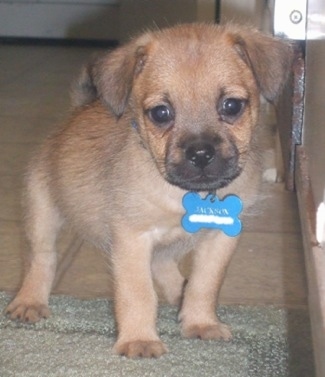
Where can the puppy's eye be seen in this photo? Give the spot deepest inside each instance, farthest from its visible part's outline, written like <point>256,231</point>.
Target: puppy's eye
<point>231,109</point>
<point>232,106</point>
<point>161,115</point>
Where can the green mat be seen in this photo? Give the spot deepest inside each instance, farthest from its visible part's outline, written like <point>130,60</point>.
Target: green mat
<point>77,340</point>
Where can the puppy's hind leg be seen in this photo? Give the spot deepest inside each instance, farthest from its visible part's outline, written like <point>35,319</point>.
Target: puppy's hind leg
<point>43,222</point>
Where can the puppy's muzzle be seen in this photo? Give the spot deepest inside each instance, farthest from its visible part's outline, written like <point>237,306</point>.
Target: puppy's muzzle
<point>203,164</point>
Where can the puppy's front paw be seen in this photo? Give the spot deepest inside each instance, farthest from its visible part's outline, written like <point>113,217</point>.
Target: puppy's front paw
<point>141,348</point>
<point>29,312</point>
<point>216,331</point>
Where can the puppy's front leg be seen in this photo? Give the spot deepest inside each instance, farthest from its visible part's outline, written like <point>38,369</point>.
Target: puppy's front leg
<point>198,317</point>
<point>135,298</point>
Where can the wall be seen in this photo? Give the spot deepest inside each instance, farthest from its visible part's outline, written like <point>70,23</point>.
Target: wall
<point>248,12</point>
<point>59,19</point>
<point>139,15</point>
<point>97,19</point>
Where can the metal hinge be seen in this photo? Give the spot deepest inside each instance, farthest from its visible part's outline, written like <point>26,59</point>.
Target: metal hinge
<point>289,18</point>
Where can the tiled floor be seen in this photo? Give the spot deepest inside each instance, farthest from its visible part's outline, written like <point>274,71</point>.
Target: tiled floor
<point>34,95</point>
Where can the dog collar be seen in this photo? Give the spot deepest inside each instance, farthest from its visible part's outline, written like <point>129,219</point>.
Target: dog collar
<point>212,213</point>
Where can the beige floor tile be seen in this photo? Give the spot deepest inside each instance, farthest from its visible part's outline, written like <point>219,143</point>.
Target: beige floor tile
<point>276,210</point>
<point>14,157</point>
<point>11,249</point>
<point>268,268</point>
<point>26,129</point>
<point>17,61</point>
<point>27,62</point>
<point>88,276</point>
<point>10,197</point>
<point>34,102</point>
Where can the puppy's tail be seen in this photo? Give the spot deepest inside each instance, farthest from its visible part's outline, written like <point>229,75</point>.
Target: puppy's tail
<point>84,91</point>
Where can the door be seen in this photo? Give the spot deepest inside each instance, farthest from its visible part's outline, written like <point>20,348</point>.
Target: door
<point>302,118</point>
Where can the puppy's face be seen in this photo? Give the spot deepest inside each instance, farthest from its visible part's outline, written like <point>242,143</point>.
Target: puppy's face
<point>193,93</point>
<point>196,107</point>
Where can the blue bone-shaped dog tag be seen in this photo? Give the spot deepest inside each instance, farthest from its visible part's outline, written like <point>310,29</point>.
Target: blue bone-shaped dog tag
<point>210,212</point>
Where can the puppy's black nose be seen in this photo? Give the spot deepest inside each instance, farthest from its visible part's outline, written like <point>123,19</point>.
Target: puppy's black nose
<point>200,155</point>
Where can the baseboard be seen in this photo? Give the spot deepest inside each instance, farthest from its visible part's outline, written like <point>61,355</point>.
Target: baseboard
<point>105,43</point>
<point>314,259</point>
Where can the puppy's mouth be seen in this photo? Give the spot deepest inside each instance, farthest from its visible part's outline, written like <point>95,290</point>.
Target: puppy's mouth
<point>202,181</point>
<point>203,167</point>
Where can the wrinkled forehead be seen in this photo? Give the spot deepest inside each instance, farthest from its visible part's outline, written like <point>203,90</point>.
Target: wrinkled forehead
<point>196,67</point>
<point>191,54</point>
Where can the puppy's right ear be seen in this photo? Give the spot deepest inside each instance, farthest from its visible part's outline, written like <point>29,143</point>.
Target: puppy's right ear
<point>110,77</point>
<point>270,60</point>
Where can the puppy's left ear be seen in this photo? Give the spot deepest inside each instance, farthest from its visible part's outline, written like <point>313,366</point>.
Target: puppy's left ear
<point>110,77</point>
<point>270,60</point>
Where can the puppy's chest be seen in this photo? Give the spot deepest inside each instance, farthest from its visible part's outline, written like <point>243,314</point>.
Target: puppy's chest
<point>171,238</point>
<point>164,224</point>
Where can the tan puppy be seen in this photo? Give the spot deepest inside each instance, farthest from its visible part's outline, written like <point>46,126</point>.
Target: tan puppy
<point>173,111</point>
